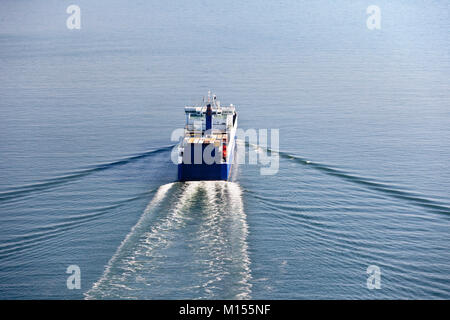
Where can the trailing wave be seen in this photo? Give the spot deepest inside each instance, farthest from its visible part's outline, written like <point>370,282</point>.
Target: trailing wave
<point>191,242</point>
<point>21,191</point>
<point>431,205</point>
<point>38,235</point>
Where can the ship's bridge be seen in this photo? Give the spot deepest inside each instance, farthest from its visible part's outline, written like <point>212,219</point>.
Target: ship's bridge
<point>222,118</point>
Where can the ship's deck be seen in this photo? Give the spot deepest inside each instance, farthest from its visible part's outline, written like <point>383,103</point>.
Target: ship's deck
<point>197,137</point>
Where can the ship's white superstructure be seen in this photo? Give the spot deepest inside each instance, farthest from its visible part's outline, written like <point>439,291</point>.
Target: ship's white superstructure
<point>210,126</point>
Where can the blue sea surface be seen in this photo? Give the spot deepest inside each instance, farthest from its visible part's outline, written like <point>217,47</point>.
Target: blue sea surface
<point>86,118</point>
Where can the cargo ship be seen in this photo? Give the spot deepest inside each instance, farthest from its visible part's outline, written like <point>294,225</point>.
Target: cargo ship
<point>206,151</point>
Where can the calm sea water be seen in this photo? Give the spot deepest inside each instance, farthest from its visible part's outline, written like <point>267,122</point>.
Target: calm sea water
<point>85,170</point>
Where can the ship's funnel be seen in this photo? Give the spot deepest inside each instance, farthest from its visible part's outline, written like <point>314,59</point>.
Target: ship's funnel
<point>208,117</point>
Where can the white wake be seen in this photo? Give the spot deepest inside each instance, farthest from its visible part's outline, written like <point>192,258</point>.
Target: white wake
<point>190,242</point>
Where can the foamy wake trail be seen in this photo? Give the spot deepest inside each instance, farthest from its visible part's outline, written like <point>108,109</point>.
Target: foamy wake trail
<point>222,240</point>
<point>159,196</point>
<point>191,242</point>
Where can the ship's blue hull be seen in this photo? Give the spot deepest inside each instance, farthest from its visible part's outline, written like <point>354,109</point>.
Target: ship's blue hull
<point>195,172</point>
